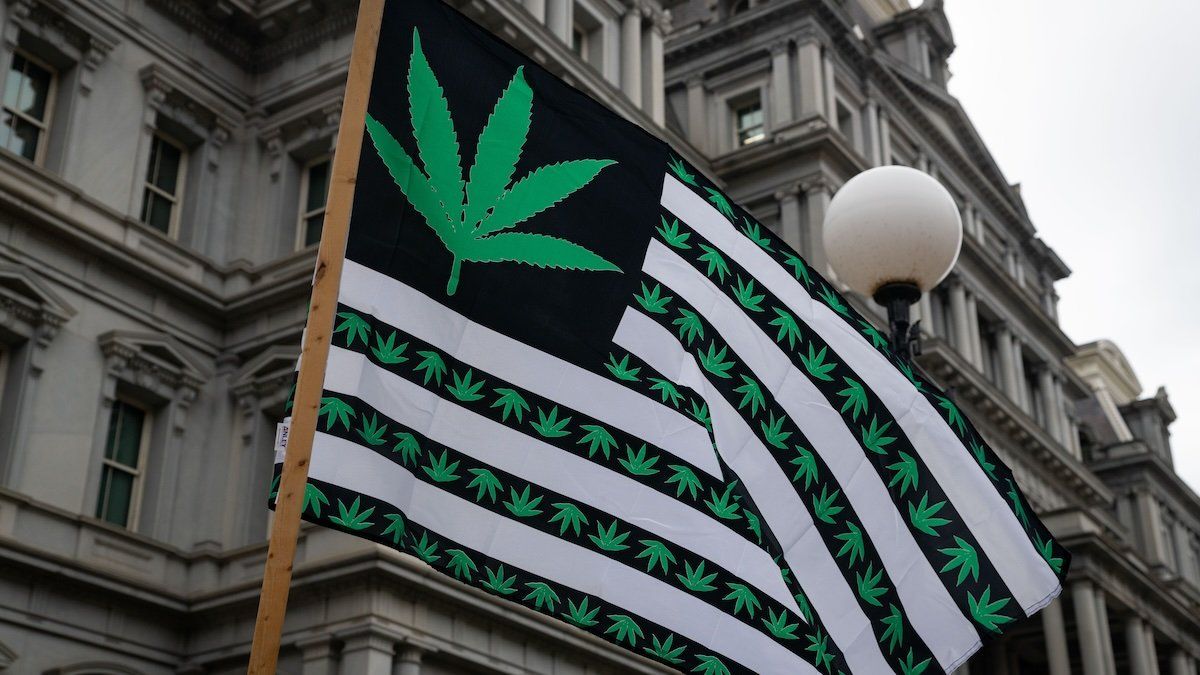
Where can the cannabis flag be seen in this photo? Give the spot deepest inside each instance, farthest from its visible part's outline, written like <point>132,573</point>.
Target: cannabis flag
<point>567,371</point>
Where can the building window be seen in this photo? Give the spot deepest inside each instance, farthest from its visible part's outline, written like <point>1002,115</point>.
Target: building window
<point>313,192</point>
<point>28,102</point>
<point>579,42</point>
<point>164,185</point>
<point>124,452</point>
<point>748,123</point>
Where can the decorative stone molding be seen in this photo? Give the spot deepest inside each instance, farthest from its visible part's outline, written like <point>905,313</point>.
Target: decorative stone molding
<point>263,382</point>
<point>290,132</point>
<point>207,119</point>
<point>153,362</point>
<point>28,307</point>
<point>80,39</point>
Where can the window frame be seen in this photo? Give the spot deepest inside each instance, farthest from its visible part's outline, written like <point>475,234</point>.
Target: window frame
<point>302,214</point>
<point>135,492</point>
<point>180,184</point>
<point>39,155</point>
<point>736,107</point>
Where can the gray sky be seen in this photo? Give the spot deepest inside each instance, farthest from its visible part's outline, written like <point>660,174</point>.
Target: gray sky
<point>1094,107</point>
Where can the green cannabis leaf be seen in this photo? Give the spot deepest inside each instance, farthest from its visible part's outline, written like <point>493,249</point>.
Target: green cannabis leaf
<point>460,564</point>
<point>754,234</point>
<point>671,234</point>
<point>597,438</point>
<point>541,595</point>
<point>469,216</point>
<point>742,597</point>
<point>695,579</point>
<point>351,518</point>
<point>690,326</point>
<point>665,650</point>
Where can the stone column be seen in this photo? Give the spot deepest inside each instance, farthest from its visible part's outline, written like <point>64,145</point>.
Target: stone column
<point>367,651</point>
<point>537,8</point>
<point>1019,370</point>
<point>812,91</point>
<point>816,201</point>
<point>1180,662</point>
<point>697,113</point>
<point>408,661</point>
<point>560,18</point>
<point>874,156</point>
<point>1060,406</point>
<point>830,87</point>
<point>789,216</point>
<point>1054,631</point>
<point>1148,517</point>
<point>885,137</point>
<point>631,54</point>
<point>1046,387</point>
<point>1135,645</point>
<point>655,96</point>
<point>1090,646</point>
<point>958,318</point>
<point>1110,663</point>
<point>1151,648</point>
<point>1008,375</point>
<point>317,656</point>
<point>781,84</point>
<point>976,346</point>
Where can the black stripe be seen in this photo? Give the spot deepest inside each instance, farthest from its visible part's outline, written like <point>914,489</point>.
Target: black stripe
<point>1056,556</point>
<point>769,423</point>
<point>454,471</point>
<point>436,550</point>
<point>890,459</point>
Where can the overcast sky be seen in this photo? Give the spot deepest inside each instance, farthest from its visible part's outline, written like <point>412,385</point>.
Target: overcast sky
<point>1094,108</point>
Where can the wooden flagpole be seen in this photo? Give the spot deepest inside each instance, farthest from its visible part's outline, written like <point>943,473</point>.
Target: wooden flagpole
<point>277,574</point>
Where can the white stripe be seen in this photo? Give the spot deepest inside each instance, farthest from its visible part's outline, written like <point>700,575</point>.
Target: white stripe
<point>985,512</point>
<point>561,381</point>
<point>355,468</point>
<point>787,516</point>
<point>452,425</point>
<point>929,606</point>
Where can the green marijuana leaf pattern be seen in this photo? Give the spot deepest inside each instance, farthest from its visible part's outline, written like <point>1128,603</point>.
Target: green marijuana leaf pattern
<point>686,478</point>
<point>548,425</point>
<point>833,302</point>
<point>621,370</point>
<point>877,339</point>
<point>433,365</point>
<point>608,539</point>
<point>819,646</point>
<point>923,516</point>
<point>722,506</point>
<point>754,234</point>
<point>520,505</point>
<point>371,432</point>
<point>395,527</point>
<point>597,438</point>
<point>823,506</point>
<point>743,597</point>
<point>856,398</point>
<point>953,416</point>
<point>460,564</point>
<point>670,234</point>
<point>637,463</point>
<point>981,457</point>
<point>695,580</point>
<point>439,471</point>
<point>667,391</point>
<point>808,467</point>
<point>625,627</point>
<point>905,473</point>
<point>1046,548</point>
<point>714,361</point>
<point>426,550</point>
<point>746,297</point>
<point>653,301</point>
<point>773,431</point>
<point>716,262</point>
<point>580,615</point>
<point>407,446</point>
<point>787,327</point>
<point>873,437</point>
<point>751,395</point>
<point>720,202</point>
<point>569,516</point>
<point>709,665</point>
<point>542,595</point>
<point>486,482</point>
<point>986,612</point>
<point>690,326</point>
<point>815,364</point>
<point>469,216</point>
<point>335,409</point>
<point>664,649</point>
<point>895,628</point>
<point>854,543</point>
<point>907,667</point>
<point>498,583</point>
<point>681,172</point>
<point>313,497</point>
<point>657,554</point>
<point>964,559</point>
<point>388,351</point>
<point>350,518</point>
<point>355,326</point>
<point>512,402</point>
<point>799,268</point>
<point>465,390</point>
<point>779,626</point>
<point>868,585</point>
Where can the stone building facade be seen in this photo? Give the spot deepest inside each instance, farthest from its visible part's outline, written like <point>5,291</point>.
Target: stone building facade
<point>162,173</point>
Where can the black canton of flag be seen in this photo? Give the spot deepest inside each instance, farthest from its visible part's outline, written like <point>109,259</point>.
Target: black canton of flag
<point>566,370</point>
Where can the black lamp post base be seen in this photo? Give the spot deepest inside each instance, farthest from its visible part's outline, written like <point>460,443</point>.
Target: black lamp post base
<point>898,299</point>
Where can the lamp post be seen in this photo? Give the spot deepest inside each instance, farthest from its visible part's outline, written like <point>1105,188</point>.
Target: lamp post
<point>892,233</point>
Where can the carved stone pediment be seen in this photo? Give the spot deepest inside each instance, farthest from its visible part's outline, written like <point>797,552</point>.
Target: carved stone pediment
<point>265,377</point>
<point>153,361</point>
<point>29,306</point>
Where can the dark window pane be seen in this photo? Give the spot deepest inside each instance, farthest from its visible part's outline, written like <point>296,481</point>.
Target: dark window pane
<point>16,78</point>
<point>36,91</point>
<point>116,495</point>
<point>318,186</point>
<point>152,165</point>
<point>24,139</point>
<point>312,229</point>
<point>156,211</point>
<point>125,434</point>
<point>169,159</point>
